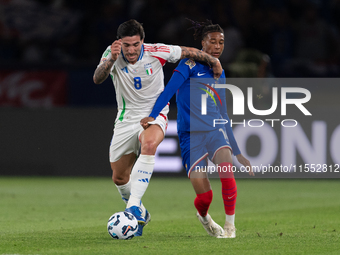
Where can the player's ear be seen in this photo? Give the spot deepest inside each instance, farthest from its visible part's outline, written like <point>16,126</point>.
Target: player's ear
<point>203,44</point>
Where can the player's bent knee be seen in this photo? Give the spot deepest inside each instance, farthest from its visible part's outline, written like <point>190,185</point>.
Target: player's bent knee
<point>119,179</point>
<point>149,147</point>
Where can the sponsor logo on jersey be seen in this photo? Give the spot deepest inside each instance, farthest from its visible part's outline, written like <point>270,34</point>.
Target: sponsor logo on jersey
<point>200,74</point>
<point>191,63</point>
<point>124,69</point>
<point>148,68</point>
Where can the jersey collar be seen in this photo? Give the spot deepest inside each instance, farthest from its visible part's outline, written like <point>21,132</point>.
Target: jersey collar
<point>140,55</point>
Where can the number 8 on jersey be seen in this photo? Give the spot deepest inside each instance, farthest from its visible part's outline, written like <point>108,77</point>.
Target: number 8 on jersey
<point>137,82</point>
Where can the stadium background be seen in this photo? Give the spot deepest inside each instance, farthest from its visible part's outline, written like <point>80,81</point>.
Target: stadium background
<point>55,121</point>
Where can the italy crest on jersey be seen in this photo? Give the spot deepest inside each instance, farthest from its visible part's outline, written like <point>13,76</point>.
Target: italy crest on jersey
<point>148,68</point>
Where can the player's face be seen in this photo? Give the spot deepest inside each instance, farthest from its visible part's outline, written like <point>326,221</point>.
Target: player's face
<point>213,44</point>
<point>131,47</point>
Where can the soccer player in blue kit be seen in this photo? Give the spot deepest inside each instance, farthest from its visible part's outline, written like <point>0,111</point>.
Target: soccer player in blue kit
<point>198,137</point>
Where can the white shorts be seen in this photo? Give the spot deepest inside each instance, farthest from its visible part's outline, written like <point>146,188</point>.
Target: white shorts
<point>125,139</point>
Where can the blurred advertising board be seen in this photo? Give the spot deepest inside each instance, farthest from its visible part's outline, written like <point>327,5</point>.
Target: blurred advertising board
<point>43,89</point>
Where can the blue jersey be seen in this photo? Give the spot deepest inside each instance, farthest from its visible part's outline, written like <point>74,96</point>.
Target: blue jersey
<point>199,80</point>
<point>191,80</point>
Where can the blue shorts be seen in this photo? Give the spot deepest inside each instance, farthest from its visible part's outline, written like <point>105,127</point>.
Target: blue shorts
<point>196,146</point>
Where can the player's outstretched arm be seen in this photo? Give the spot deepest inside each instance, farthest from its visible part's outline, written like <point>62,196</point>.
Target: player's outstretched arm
<point>246,163</point>
<point>103,70</point>
<point>188,52</point>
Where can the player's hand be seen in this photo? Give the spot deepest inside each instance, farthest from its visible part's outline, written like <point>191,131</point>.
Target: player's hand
<point>144,122</point>
<point>217,69</point>
<point>116,48</point>
<point>246,163</point>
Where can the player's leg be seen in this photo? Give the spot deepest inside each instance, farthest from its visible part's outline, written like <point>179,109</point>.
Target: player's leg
<point>142,172</point>
<point>204,195</point>
<point>123,150</point>
<point>223,159</point>
<point>121,170</point>
<point>143,168</point>
<point>194,159</point>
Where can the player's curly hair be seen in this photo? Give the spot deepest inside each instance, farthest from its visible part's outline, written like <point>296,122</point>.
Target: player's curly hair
<point>130,28</point>
<point>201,29</point>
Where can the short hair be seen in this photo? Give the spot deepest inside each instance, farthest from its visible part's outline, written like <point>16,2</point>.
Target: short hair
<point>201,29</point>
<point>130,28</point>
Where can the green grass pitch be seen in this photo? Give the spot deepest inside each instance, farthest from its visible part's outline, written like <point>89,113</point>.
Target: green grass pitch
<point>69,216</point>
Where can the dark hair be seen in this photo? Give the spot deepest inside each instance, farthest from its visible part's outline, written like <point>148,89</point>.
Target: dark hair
<point>201,29</point>
<point>130,28</point>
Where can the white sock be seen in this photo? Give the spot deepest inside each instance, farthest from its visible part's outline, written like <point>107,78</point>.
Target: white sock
<point>230,219</point>
<point>124,191</point>
<point>140,177</point>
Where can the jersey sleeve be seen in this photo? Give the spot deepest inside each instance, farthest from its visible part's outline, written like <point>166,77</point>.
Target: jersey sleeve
<point>223,111</point>
<point>165,53</point>
<point>173,85</point>
<point>106,55</point>
<point>185,67</point>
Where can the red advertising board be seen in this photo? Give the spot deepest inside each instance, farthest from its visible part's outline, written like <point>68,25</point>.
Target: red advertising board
<point>33,88</point>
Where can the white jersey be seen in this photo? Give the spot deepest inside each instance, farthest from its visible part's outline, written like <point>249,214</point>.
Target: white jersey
<point>138,85</point>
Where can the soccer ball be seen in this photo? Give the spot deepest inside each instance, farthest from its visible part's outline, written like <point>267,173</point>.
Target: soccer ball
<point>122,225</point>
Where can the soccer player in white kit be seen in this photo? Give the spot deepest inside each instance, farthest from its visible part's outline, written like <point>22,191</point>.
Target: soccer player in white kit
<point>137,74</point>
